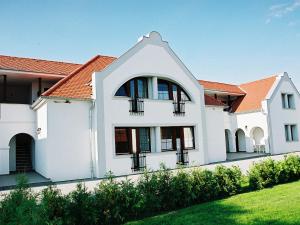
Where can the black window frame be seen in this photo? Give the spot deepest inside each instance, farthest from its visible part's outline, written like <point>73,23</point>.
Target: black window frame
<point>128,88</point>
<point>130,139</point>
<point>180,91</point>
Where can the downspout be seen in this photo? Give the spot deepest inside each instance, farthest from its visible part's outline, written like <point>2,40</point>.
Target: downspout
<point>91,138</point>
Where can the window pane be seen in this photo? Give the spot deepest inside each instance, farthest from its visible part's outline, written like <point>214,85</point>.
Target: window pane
<point>163,90</point>
<point>132,90</point>
<point>122,141</point>
<point>184,96</point>
<point>122,91</point>
<point>283,101</point>
<point>166,138</point>
<point>188,137</point>
<point>290,99</point>
<point>142,88</point>
<point>294,133</point>
<point>145,139</point>
<point>286,127</point>
<point>175,91</point>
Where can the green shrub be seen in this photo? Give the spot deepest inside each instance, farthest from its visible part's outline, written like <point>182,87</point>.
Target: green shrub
<point>182,194</point>
<point>229,180</point>
<point>53,205</point>
<point>20,206</point>
<point>204,185</point>
<point>289,169</point>
<point>116,202</point>
<point>263,174</point>
<point>80,207</point>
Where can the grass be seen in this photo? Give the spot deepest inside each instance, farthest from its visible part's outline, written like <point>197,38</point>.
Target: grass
<point>274,206</point>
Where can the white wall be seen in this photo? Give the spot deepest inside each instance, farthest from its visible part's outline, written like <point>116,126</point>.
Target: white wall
<point>279,117</point>
<point>64,147</point>
<point>152,59</point>
<point>215,134</point>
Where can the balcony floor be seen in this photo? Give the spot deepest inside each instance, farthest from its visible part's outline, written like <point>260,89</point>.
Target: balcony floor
<point>9,181</point>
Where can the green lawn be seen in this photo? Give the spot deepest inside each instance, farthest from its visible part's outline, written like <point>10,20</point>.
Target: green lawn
<point>274,206</point>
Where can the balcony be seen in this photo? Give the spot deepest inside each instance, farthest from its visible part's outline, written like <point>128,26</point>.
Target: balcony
<point>16,113</point>
<point>136,106</point>
<point>138,162</point>
<point>179,108</point>
<point>182,158</point>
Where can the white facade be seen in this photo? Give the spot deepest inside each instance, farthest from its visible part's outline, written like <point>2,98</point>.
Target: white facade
<point>76,139</point>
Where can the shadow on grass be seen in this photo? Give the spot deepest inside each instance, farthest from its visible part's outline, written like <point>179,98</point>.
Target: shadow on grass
<point>217,213</point>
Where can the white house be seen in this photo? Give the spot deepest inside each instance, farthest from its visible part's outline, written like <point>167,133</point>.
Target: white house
<point>69,121</point>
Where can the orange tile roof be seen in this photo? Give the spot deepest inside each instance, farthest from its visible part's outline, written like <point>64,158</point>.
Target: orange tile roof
<point>221,87</point>
<point>36,65</point>
<point>212,101</point>
<point>77,84</point>
<point>256,92</point>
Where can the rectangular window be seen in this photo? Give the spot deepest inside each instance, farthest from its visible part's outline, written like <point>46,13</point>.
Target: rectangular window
<point>188,133</point>
<point>291,132</point>
<point>167,138</point>
<point>288,101</point>
<point>132,140</point>
<point>122,141</point>
<point>175,138</point>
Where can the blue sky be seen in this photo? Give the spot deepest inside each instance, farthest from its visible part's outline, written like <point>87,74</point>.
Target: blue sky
<point>227,41</point>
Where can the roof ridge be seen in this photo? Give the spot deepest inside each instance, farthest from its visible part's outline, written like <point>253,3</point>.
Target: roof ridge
<point>65,79</point>
<point>62,81</point>
<point>219,82</point>
<point>36,59</point>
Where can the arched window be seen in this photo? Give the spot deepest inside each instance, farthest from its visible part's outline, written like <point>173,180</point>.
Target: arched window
<point>134,88</point>
<point>168,90</point>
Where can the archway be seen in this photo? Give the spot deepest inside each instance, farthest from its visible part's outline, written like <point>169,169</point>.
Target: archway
<point>21,153</point>
<point>228,140</point>
<point>240,140</point>
<point>257,136</point>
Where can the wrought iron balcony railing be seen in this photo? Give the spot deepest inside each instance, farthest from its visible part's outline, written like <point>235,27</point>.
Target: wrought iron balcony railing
<point>136,106</point>
<point>179,108</point>
<point>182,158</point>
<point>138,162</point>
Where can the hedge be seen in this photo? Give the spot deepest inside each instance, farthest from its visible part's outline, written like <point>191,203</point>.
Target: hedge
<point>115,202</point>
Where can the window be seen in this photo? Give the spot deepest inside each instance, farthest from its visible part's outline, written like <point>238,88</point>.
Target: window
<point>175,138</point>
<point>135,88</point>
<point>122,141</point>
<point>167,138</point>
<point>287,101</point>
<point>188,133</point>
<point>291,132</point>
<point>163,90</point>
<point>132,140</point>
<point>167,90</point>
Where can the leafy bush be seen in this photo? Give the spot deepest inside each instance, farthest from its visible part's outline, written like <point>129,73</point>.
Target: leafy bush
<point>204,185</point>
<point>229,180</point>
<point>20,206</point>
<point>80,207</point>
<point>269,172</point>
<point>53,205</point>
<point>115,202</point>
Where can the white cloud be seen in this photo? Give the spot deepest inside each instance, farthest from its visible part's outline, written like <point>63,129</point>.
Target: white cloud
<point>281,10</point>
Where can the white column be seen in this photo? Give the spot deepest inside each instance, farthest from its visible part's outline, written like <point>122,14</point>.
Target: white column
<point>4,161</point>
<point>153,139</point>
<point>154,88</point>
<point>157,139</point>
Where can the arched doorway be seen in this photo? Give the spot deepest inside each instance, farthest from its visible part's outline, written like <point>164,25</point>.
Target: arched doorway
<point>240,140</point>
<point>21,153</point>
<point>257,136</point>
<point>228,140</point>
